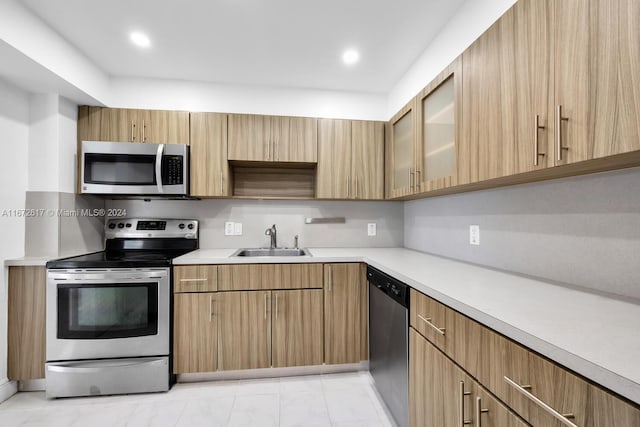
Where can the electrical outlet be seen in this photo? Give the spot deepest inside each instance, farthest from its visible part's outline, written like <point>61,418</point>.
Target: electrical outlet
<point>474,234</point>
<point>229,228</point>
<point>371,229</point>
<point>238,229</point>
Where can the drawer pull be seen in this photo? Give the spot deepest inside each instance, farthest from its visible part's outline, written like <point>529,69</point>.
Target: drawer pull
<point>428,322</point>
<point>479,411</point>
<point>563,418</point>
<point>193,280</point>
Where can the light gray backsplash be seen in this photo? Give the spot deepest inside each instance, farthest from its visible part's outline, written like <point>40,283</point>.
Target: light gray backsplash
<point>584,231</point>
<point>64,228</point>
<point>289,216</point>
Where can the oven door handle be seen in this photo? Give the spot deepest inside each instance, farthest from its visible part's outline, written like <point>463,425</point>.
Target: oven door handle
<point>79,369</point>
<point>159,154</point>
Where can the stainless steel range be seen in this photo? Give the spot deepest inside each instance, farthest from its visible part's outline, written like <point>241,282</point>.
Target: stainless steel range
<point>108,313</point>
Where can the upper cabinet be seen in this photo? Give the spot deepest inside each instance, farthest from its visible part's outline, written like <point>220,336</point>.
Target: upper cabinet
<point>272,138</point>
<point>350,159</point>
<point>128,125</point>
<point>439,108</point>
<point>209,165</point>
<point>552,83</point>
<point>424,152</point>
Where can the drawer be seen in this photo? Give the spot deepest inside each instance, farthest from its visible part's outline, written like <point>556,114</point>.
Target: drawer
<point>247,277</point>
<point>431,319</point>
<point>195,278</point>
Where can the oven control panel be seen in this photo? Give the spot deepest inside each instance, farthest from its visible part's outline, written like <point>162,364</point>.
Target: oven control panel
<point>129,228</point>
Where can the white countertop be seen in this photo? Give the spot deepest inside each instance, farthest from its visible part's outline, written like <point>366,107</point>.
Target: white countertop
<point>593,335</point>
<point>29,261</point>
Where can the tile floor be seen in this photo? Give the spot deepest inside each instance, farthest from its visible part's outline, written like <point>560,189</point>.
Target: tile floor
<point>333,400</point>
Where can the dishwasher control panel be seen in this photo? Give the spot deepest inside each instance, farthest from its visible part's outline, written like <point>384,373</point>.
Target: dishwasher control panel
<point>394,288</point>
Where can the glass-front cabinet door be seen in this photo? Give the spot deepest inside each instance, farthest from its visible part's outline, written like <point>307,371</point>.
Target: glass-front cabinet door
<point>438,109</point>
<point>402,166</point>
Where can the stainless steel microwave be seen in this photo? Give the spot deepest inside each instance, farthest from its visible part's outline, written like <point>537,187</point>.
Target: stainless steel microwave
<point>138,169</point>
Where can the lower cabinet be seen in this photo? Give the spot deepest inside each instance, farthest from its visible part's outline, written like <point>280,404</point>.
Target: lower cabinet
<point>195,343</point>
<point>515,384</point>
<point>441,394</point>
<point>345,313</point>
<point>26,323</point>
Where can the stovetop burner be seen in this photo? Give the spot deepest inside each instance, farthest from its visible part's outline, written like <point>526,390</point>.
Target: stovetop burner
<point>138,243</point>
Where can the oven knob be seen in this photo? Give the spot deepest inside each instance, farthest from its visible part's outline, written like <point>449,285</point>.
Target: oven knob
<point>190,226</point>
<point>128,225</point>
<point>112,226</point>
<point>121,225</point>
<point>181,226</point>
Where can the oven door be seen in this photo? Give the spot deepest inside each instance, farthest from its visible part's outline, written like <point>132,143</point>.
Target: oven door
<point>93,314</point>
<point>134,169</point>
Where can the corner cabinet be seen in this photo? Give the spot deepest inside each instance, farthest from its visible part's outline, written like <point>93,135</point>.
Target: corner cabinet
<point>209,165</point>
<point>272,138</point>
<point>424,152</point>
<point>350,160</point>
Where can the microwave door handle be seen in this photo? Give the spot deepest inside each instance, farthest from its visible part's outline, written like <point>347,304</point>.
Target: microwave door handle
<point>159,168</point>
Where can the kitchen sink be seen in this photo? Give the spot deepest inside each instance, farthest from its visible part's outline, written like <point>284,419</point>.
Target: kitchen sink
<point>265,252</point>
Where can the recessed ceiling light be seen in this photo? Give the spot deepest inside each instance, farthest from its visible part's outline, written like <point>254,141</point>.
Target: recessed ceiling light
<point>350,56</point>
<point>140,39</point>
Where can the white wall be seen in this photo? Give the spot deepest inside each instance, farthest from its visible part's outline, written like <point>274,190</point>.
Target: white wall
<point>14,131</point>
<point>289,216</point>
<point>584,231</point>
<point>471,20</point>
<point>200,96</point>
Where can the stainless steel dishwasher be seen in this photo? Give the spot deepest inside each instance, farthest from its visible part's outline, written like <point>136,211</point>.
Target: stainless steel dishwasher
<point>388,342</point>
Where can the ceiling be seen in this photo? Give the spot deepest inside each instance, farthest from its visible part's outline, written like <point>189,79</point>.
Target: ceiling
<point>282,43</point>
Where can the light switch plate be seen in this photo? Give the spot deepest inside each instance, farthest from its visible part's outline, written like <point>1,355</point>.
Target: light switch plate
<point>238,229</point>
<point>229,228</point>
<point>371,229</point>
<point>474,234</point>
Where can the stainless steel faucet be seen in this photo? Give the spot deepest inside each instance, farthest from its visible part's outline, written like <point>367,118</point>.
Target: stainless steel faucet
<point>295,239</point>
<point>271,231</point>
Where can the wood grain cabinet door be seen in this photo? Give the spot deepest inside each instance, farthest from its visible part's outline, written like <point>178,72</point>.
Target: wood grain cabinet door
<point>345,314</point>
<point>109,124</point>
<point>297,323</point>
<point>244,332</point>
<point>490,412</point>
<point>333,179</point>
<point>488,102</point>
<point>402,141</point>
<point>367,160</point>
<point>209,165</point>
<point>26,323</point>
<point>294,139</point>
<point>249,137</point>
<point>164,127</point>
<point>195,338</point>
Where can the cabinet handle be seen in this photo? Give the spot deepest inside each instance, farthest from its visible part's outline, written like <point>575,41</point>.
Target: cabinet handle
<point>479,411</point>
<point>557,415</point>
<point>144,128</point>
<point>330,279</point>
<point>211,300</point>
<point>462,394</point>
<point>133,132</point>
<point>276,306</point>
<point>427,320</point>
<point>559,120</point>
<point>411,178</point>
<point>193,280</point>
<point>536,147</point>
<point>418,173</point>
<point>265,306</point>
